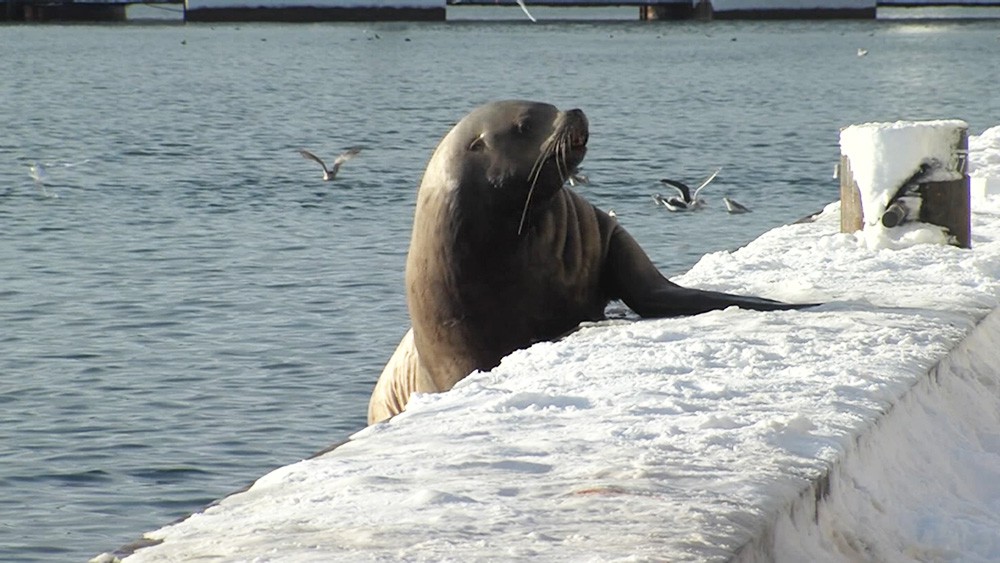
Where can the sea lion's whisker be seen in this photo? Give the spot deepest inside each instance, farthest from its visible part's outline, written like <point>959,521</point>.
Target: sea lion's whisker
<point>527,201</point>
<point>556,147</point>
<point>564,146</point>
<point>536,170</point>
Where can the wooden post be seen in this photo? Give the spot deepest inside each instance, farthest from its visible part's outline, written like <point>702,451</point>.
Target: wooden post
<point>667,10</point>
<point>851,219</point>
<point>703,10</point>
<point>943,203</point>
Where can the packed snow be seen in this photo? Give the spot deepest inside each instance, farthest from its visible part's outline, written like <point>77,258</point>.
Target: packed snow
<point>984,162</point>
<point>864,429</point>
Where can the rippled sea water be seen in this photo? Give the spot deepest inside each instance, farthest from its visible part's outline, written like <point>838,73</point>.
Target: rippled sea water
<point>186,305</point>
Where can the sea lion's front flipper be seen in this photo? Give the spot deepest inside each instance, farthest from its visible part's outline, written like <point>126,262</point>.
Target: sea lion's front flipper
<point>634,279</point>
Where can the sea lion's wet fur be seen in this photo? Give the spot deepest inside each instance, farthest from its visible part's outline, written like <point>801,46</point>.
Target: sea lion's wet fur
<point>481,282</point>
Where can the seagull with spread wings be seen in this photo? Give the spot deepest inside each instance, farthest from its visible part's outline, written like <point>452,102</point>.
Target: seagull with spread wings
<point>331,173</point>
<point>687,201</point>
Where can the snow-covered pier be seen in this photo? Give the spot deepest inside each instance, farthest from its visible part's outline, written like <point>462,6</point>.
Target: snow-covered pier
<point>865,429</point>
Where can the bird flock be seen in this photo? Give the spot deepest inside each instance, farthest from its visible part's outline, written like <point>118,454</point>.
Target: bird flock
<point>690,200</point>
<point>685,199</point>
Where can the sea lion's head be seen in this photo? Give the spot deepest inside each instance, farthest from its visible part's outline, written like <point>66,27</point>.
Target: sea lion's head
<point>510,154</point>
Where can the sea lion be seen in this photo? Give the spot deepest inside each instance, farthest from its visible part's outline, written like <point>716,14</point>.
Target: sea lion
<point>504,254</point>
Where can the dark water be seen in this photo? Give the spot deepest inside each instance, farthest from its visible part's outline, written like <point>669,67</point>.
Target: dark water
<point>196,307</point>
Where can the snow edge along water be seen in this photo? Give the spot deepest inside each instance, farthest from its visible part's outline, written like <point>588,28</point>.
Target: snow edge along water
<point>894,486</point>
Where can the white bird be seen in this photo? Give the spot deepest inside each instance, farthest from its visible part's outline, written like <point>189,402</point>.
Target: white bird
<point>686,201</point>
<point>734,206</point>
<point>331,173</point>
<point>38,174</point>
<point>862,52</point>
<point>525,10</point>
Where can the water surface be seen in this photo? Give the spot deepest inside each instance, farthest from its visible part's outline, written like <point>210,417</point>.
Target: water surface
<point>188,305</point>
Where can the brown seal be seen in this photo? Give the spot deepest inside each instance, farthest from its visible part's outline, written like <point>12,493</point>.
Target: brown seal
<point>504,254</point>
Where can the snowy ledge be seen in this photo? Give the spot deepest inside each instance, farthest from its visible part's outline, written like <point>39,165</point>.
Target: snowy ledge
<point>864,429</point>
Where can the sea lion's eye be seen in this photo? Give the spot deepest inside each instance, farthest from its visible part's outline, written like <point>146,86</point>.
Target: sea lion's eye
<point>478,144</point>
<point>523,127</point>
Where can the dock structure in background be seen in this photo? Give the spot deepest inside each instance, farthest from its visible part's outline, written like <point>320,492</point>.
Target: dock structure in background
<point>676,11</point>
<point>650,10</point>
<point>791,9</point>
<point>436,10</point>
<point>939,3</point>
<point>228,10</point>
<point>313,10</point>
<point>64,11</point>
<point>786,9</point>
<point>74,10</point>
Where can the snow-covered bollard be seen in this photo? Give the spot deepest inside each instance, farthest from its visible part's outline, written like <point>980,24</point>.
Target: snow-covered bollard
<point>905,172</point>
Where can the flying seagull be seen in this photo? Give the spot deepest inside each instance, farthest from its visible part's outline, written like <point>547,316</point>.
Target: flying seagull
<point>331,173</point>
<point>38,174</point>
<point>525,10</point>
<point>686,201</point>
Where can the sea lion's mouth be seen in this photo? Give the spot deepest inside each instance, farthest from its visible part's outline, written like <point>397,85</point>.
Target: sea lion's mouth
<point>575,129</point>
<point>565,147</point>
<point>574,156</point>
<point>578,138</point>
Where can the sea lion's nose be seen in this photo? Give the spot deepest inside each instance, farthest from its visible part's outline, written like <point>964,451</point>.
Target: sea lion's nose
<point>577,126</point>
<point>577,117</point>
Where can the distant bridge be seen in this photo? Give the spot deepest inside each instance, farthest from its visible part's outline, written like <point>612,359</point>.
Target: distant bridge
<point>435,10</point>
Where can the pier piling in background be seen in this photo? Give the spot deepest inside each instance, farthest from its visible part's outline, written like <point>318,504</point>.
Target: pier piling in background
<point>316,11</point>
<point>937,193</point>
<point>71,12</point>
<point>684,10</point>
